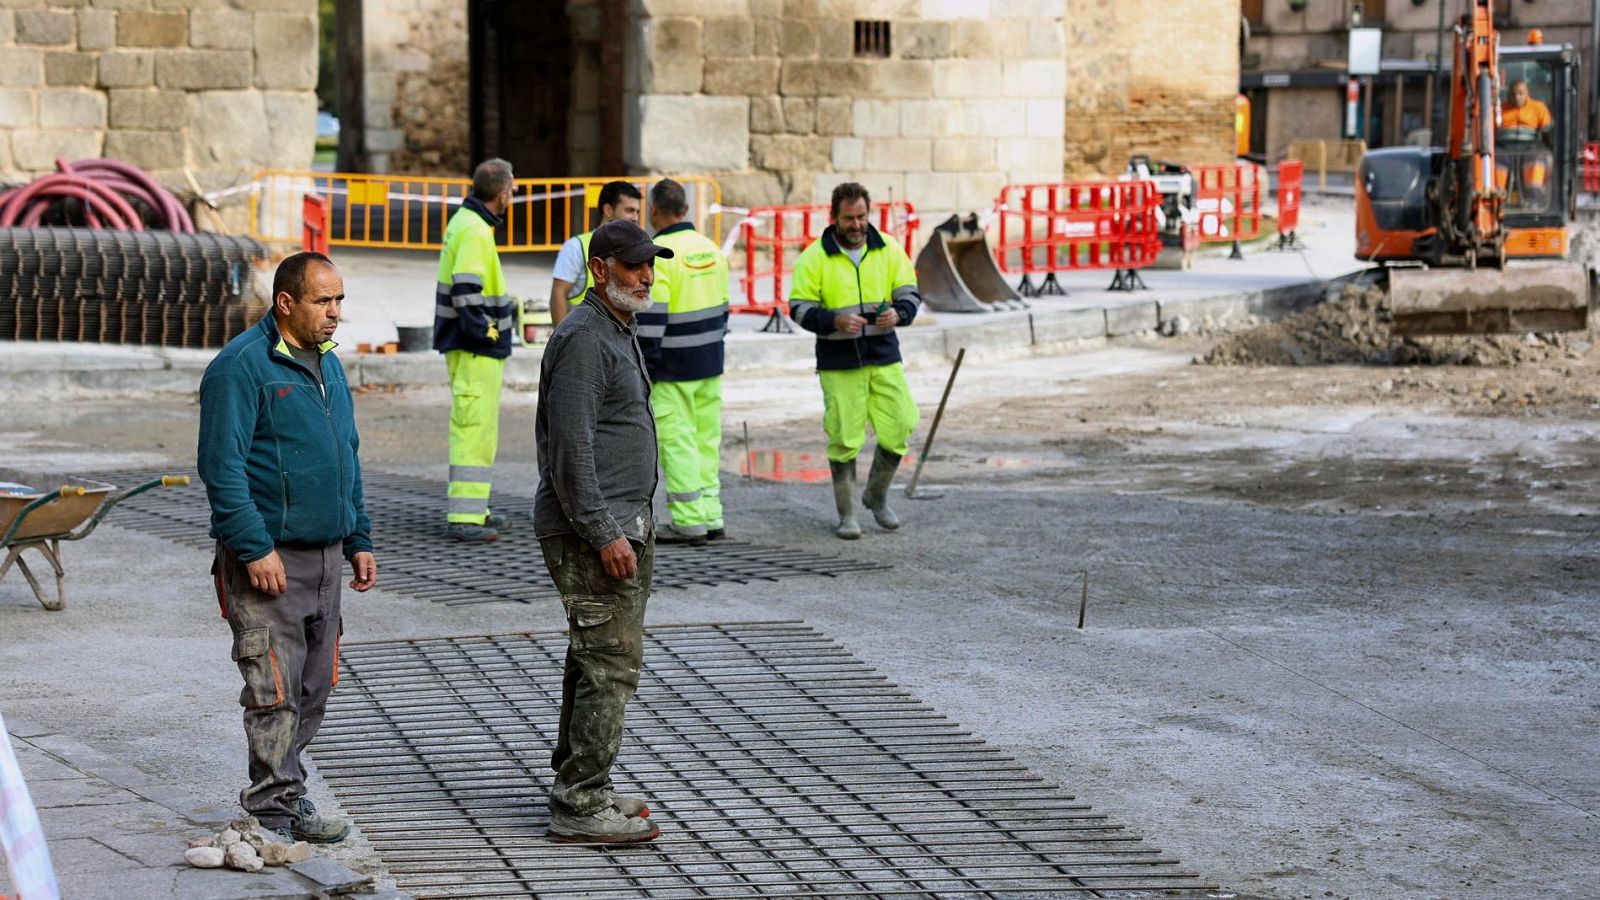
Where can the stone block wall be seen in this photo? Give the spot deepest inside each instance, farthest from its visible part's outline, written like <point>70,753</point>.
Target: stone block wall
<point>415,56</point>
<point>771,97</point>
<point>222,87</point>
<point>1150,76</point>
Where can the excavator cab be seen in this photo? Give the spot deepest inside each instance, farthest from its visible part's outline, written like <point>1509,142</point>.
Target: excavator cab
<point>1536,148</point>
<point>1479,249</point>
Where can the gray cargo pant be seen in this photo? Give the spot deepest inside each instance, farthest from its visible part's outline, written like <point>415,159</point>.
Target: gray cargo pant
<point>605,647</point>
<point>287,648</point>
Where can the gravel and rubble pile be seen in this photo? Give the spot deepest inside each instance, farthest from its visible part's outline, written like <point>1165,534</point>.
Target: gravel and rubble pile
<point>1351,330</point>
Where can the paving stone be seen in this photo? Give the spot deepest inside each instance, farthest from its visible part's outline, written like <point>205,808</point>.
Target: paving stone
<point>332,876</point>
<point>80,792</point>
<point>38,766</point>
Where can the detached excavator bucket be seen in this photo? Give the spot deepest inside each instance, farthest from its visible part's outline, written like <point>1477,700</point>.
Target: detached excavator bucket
<point>1516,299</point>
<point>956,271</point>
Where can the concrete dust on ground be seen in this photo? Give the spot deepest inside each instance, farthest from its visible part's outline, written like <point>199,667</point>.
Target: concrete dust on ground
<point>1341,630</point>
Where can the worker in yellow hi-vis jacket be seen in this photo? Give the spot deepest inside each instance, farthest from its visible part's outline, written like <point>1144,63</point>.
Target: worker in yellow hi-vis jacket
<point>853,289</point>
<point>472,325</point>
<point>571,278</point>
<point>681,338</point>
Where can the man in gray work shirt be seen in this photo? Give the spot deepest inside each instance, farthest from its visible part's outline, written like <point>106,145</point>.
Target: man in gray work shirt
<point>597,473</point>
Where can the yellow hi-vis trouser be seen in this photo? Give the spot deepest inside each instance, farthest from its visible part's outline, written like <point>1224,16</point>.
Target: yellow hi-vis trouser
<point>853,397</point>
<point>474,433</point>
<point>689,436</point>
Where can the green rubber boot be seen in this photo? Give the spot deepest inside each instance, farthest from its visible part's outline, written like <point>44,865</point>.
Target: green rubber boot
<point>844,497</point>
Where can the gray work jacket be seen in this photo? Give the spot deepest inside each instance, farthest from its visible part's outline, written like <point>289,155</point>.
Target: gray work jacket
<point>595,431</point>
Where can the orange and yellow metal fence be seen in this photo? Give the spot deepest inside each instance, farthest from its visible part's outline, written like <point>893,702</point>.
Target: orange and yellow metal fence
<point>410,212</point>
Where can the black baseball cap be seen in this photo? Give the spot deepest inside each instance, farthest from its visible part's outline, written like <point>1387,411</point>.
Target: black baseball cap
<point>626,241</point>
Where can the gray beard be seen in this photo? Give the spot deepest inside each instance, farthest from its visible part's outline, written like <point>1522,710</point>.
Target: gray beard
<point>624,299</point>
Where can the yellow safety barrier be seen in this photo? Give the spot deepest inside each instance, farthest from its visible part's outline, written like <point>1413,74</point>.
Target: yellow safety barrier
<point>410,212</point>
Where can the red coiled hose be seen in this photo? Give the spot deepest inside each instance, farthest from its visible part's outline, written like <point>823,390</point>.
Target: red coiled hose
<point>103,187</point>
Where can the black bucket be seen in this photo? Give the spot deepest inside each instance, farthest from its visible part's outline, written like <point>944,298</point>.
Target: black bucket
<point>415,338</point>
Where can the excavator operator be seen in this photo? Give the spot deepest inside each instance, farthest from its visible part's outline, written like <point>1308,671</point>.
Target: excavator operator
<point>1524,129</point>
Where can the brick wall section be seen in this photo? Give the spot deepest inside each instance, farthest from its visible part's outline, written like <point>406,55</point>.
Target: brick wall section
<point>1150,76</point>
<point>223,89</point>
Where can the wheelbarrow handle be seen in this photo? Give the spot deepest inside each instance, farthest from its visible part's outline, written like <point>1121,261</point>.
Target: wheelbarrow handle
<point>114,499</point>
<point>70,490</point>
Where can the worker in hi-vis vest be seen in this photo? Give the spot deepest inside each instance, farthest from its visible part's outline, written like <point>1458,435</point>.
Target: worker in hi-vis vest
<point>571,278</point>
<point>472,325</point>
<point>854,289</point>
<point>681,338</point>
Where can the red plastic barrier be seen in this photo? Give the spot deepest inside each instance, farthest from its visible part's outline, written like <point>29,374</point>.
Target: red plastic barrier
<point>1229,200</point>
<point>779,233</point>
<point>1291,175</point>
<point>1077,225</point>
<point>316,218</point>
<point>1591,168</point>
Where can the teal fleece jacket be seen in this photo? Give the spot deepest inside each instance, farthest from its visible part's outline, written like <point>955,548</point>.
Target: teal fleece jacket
<point>278,454</point>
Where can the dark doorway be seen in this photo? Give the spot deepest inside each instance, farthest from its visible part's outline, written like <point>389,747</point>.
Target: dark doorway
<point>521,59</point>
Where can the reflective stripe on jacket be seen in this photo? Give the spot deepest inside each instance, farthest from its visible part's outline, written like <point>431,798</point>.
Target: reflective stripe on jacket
<point>681,334</point>
<point>472,310</point>
<point>827,282</point>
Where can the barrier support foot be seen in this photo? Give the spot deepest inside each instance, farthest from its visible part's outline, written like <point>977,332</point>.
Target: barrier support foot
<point>777,324</point>
<point>1051,286</point>
<point>1128,280</point>
<point>1026,288</point>
<point>1238,253</point>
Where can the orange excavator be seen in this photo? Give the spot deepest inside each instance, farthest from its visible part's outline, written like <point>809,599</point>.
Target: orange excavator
<point>1473,237</point>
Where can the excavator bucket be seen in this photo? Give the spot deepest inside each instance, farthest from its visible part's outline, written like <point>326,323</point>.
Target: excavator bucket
<point>956,271</point>
<point>1516,299</point>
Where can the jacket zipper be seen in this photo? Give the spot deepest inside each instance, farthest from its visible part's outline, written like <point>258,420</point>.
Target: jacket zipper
<point>333,435</point>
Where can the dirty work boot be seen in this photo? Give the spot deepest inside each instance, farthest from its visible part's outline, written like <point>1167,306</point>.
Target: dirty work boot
<point>629,806</point>
<point>844,497</point>
<point>608,826</point>
<point>466,531</point>
<point>313,828</point>
<point>876,496</point>
<point>668,533</point>
<point>498,521</point>
<point>716,534</point>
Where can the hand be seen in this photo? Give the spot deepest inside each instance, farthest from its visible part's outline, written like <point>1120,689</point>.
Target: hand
<point>889,318</point>
<point>266,574</point>
<point>366,569</point>
<point>618,559</point>
<point>849,323</point>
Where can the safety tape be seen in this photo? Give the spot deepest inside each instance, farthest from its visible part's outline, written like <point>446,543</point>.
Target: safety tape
<point>311,187</point>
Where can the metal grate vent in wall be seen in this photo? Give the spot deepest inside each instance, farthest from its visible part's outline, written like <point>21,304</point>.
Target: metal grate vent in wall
<point>872,38</point>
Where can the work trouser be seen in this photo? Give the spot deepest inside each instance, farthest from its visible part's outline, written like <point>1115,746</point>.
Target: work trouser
<point>287,648</point>
<point>605,647</point>
<point>853,397</point>
<point>474,433</point>
<point>689,436</point>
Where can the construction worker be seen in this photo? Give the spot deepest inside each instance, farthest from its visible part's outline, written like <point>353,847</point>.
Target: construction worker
<point>681,336</point>
<point>854,289</point>
<point>278,453</point>
<point>1522,148</point>
<point>1522,111</point>
<point>572,279</point>
<point>472,325</point>
<point>596,443</point>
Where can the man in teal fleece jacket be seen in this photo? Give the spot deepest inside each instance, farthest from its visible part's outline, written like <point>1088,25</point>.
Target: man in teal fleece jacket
<point>278,454</point>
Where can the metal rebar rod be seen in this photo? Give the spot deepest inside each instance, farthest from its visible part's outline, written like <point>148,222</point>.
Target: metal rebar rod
<point>933,430</point>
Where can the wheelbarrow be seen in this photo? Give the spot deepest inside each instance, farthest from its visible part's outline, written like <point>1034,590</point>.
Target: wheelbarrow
<point>30,520</point>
